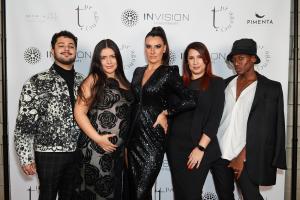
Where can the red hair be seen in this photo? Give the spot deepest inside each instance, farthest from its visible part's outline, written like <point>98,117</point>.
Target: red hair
<point>187,74</point>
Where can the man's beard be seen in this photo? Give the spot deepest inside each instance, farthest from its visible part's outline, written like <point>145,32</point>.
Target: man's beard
<point>68,61</point>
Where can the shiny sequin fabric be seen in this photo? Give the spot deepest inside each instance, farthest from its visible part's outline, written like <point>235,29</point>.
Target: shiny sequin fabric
<point>146,146</point>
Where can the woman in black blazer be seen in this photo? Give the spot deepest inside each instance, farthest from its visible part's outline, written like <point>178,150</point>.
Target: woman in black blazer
<point>193,147</point>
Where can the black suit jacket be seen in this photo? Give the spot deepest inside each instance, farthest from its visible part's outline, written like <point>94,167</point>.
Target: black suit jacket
<point>207,117</point>
<point>265,140</point>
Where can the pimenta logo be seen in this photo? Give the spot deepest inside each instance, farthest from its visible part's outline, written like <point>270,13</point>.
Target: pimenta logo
<point>32,55</point>
<point>87,17</point>
<point>222,18</point>
<point>130,18</point>
<point>259,19</point>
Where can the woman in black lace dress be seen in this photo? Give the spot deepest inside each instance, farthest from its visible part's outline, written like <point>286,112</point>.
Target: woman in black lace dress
<point>152,87</point>
<point>102,111</point>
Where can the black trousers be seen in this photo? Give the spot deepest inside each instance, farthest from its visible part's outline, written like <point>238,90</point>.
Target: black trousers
<point>249,189</point>
<point>58,174</point>
<point>223,179</point>
<point>188,184</point>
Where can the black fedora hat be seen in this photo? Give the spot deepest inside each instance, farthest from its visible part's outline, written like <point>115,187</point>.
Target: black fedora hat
<point>244,46</point>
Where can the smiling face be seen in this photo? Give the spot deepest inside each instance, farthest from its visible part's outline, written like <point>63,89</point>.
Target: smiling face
<point>109,62</point>
<point>64,52</point>
<point>196,64</point>
<point>154,50</point>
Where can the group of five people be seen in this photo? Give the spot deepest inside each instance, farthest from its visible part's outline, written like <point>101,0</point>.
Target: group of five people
<point>233,128</point>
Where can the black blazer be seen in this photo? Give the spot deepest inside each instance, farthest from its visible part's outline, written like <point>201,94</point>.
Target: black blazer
<point>207,117</point>
<point>265,139</point>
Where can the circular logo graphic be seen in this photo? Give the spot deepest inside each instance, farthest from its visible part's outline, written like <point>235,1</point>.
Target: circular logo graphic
<point>87,17</point>
<point>209,196</point>
<point>32,55</point>
<point>130,18</point>
<point>172,57</point>
<point>223,18</point>
<point>129,56</point>
<point>265,57</point>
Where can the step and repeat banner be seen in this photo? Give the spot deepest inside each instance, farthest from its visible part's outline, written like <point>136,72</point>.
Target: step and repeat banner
<point>217,23</point>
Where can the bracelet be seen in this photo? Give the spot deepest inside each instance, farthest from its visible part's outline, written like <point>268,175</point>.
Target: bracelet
<point>201,148</point>
<point>165,112</point>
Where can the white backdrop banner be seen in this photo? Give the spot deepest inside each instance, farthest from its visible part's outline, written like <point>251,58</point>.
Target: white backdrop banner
<point>216,23</point>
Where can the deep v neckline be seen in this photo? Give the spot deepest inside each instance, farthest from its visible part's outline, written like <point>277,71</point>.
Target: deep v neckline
<point>150,77</point>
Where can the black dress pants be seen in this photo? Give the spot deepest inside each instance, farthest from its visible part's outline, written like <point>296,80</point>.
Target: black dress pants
<point>188,184</point>
<point>58,174</point>
<point>223,179</point>
<point>250,191</point>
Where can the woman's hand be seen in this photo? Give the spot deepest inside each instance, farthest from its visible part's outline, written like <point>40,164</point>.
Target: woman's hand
<point>105,144</point>
<point>162,120</point>
<point>195,158</point>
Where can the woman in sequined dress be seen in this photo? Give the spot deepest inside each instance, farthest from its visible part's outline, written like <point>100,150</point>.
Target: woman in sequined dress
<point>102,111</point>
<point>152,87</point>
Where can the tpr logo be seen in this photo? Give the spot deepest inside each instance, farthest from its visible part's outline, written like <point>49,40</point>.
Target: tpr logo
<point>223,18</point>
<point>87,17</point>
<point>130,18</point>
<point>32,55</point>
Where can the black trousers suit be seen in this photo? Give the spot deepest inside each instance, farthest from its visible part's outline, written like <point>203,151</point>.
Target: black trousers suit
<point>186,129</point>
<point>58,173</point>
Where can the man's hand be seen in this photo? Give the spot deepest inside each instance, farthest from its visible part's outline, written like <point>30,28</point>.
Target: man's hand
<point>237,164</point>
<point>29,169</point>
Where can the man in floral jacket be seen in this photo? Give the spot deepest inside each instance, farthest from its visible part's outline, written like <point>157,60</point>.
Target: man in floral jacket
<point>46,133</point>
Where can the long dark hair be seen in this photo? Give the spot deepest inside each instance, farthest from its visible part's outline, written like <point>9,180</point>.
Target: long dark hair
<point>159,32</point>
<point>99,77</point>
<point>204,53</point>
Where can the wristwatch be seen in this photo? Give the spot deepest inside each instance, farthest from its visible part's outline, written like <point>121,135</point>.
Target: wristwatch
<point>201,148</point>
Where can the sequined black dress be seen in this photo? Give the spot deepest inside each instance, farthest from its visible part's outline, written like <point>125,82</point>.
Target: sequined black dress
<point>146,146</point>
<point>101,173</point>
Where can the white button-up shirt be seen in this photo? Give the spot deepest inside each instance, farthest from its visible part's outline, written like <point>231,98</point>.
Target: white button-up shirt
<point>233,125</point>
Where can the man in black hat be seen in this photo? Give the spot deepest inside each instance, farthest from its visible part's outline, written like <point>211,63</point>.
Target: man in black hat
<point>252,130</point>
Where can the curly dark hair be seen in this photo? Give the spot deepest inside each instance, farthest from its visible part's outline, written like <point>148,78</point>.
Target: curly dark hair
<point>64,33</point>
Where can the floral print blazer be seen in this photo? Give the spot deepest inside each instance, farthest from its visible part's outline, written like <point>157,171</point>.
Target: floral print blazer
<point>45,121</point>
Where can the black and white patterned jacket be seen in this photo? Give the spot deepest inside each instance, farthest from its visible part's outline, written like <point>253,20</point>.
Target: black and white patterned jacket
<point>45,121</point>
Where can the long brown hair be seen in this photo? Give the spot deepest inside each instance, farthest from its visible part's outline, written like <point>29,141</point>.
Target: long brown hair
<point>187,74</point>
<point>96,70</point>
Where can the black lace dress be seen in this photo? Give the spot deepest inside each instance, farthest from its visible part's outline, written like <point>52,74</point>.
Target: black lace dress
<point>102,173</point>
<point>146,146</point>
